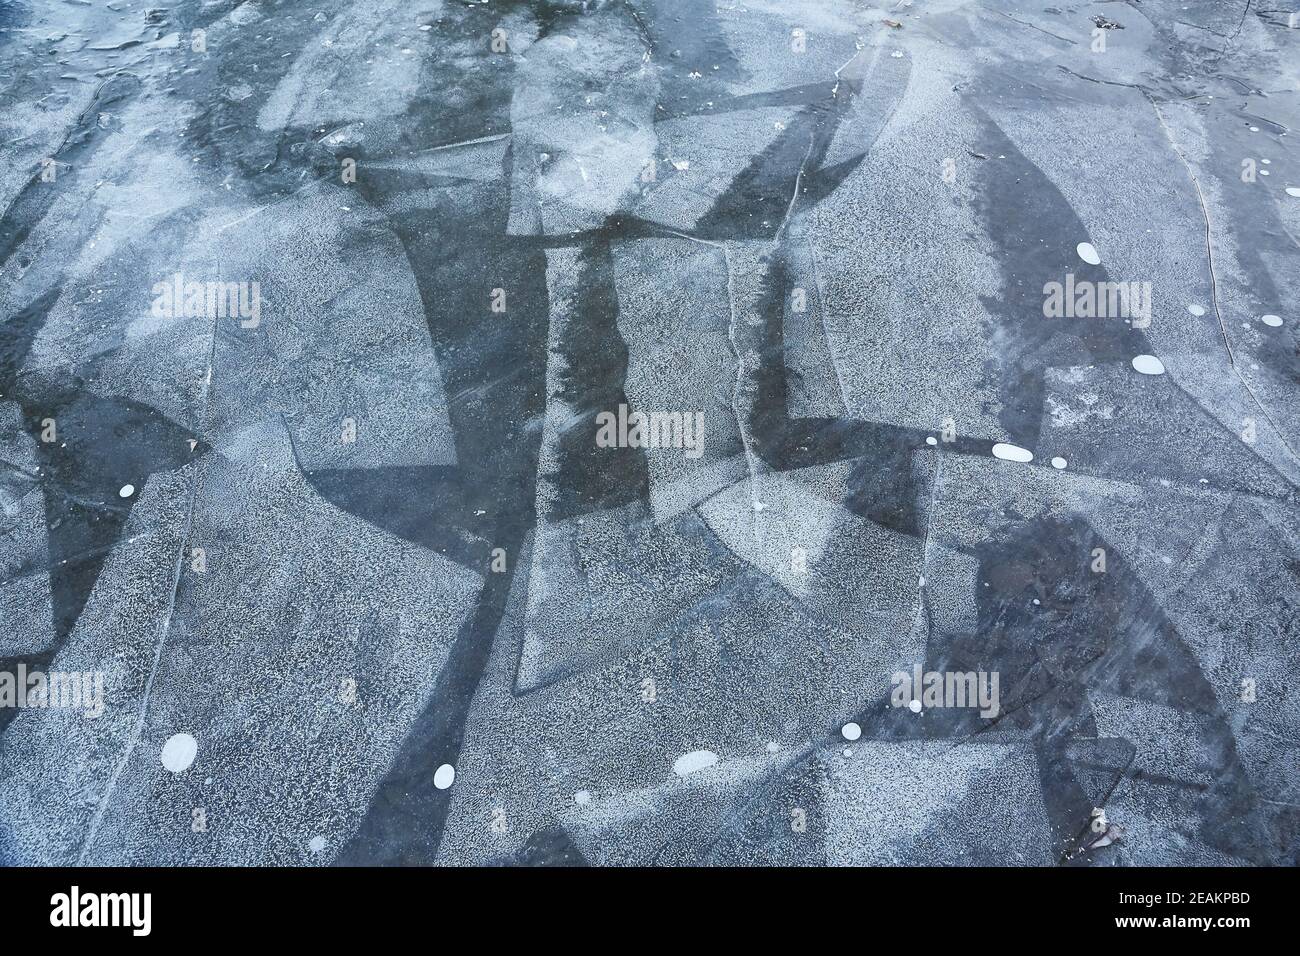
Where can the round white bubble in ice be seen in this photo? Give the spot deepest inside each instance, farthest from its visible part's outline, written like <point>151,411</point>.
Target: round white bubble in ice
<point>1196,309</point>
<point>179,752</point>
<point>915,706</point>
<point>1088,253</point>
<point>1008,452</point>
<point>1148,365</point>
<point>1058,462</point>
<point>444,776</point>
<point>851,731</point>
<point>1272,321</point>
<point>126,491</point>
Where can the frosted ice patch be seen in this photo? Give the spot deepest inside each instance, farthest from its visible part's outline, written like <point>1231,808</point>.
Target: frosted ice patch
<point>582,798</point>
<point>444,776</point>
<point>1148,365</point>
<point>126,491</point>
<point>1008,452</point>
<point>1058,462</point>
<point>179,752</point>
<point>1196,310</point>
<point>1273,321</point>
<point>1088,253</point>
<point>693,761</point>
<point>317,844</point>
<point>851,731</point>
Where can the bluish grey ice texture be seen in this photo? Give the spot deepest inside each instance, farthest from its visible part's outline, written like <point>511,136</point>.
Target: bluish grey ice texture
<point>377,566</point>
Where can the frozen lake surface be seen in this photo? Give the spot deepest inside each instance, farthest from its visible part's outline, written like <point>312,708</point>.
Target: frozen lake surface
<point>556,432</point>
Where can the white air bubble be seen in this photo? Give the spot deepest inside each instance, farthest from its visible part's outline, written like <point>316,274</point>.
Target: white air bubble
<point>126,491</point>
<point>851,731</point>
<point>1148,365</point>
<point>444,776</point>
<point>179,752</point>
<point>1058,462</point>
<point>1196,309</point>
<point>1088,253</point>
<point>1272,321</point>
<point>1008,452</point>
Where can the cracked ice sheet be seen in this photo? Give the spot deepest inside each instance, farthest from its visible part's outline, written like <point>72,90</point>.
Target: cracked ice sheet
<point>698,685</point>
<point>899,284</point>
<point>363,52</point>
<point>645,617</point>
<point>24,548</point>
<point>582,121</point>
<point>1148,226</point>
<point>931,803</point>
<point>1175,626</point>
<point>358,334</point>
<point>675,313</point>
<point>260,713</point>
